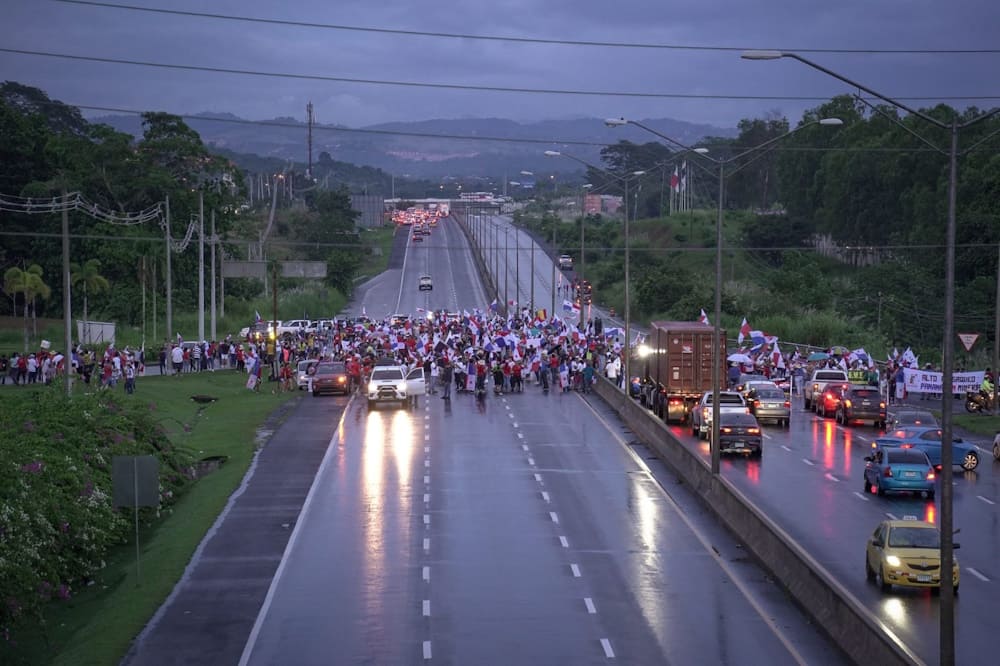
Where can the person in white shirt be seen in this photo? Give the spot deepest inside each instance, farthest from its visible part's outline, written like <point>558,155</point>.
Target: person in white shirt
<point>177,359</point>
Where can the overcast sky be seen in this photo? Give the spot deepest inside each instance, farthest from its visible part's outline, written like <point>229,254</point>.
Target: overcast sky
<point>57,27</point>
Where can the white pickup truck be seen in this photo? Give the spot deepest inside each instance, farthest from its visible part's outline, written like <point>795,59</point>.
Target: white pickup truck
<point>817,384</point>
<point>701,416</point>
<point>388,383</point>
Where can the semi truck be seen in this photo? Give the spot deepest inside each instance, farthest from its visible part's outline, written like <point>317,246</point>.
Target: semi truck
<point>679,364</point>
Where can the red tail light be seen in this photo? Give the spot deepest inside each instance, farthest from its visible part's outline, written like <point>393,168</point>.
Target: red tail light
<point>756,403</point>
<point>930,475</point>
<point>887,473</point>
<point>788,404</point>
<point>906,446</point>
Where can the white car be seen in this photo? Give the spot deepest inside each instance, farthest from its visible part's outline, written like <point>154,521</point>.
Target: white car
<point>701,416</point>
<point>425,283</point>
<point>302,373</point>
<point>565,262</point>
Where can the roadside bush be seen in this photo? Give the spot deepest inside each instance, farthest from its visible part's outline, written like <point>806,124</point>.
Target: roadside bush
<point>56,518</point>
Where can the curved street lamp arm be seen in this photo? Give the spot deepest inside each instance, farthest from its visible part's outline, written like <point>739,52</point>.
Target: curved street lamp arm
<point>896,121</point>
<point>859,86</point>
<point>985,138</point>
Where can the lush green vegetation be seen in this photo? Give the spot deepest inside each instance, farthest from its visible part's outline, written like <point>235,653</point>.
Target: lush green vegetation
<point>76,549</point>
<point>834,237</point>
<point>118,269</point>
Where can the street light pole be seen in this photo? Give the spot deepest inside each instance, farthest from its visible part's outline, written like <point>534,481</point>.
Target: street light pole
<point>947,615</point>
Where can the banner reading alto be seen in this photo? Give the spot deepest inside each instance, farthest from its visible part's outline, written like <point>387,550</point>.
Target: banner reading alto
<point>924,381</point>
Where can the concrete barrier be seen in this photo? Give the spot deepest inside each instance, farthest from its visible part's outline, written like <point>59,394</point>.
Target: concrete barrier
<point>861,635</point>
<point>461,216</point>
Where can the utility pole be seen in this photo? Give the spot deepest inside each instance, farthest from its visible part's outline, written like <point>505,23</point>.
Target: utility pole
<point>201,266</point>
<point>155,338</point>
<point>996,341</point>
<point>67,303</point>
<point>309,116</point>
<point>212,291</point>
<point>169,284</point>
<point>553,304</point>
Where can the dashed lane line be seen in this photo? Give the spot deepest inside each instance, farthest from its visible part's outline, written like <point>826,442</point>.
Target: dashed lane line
<point>786,448</point>
<point>832,477</point>
<point>426,574</point>
<point>427,608</point>
<point>809,462</point>
<point>892,516</point>
<point>589,603</point>
<point>545,496</point>
<point>563,542</point>
<point>427,544</point>
<point>860,496</point>
<point>977,574</point>
<point>575,569</point>
<point>538,478</point>
<point>608,652</point>
<point>988,501</point>
<point>427,649</point>
<point>554,516</point>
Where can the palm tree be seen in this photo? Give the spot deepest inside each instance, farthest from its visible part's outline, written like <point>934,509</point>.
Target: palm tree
<point>29,283</point>
<point>90,277</point>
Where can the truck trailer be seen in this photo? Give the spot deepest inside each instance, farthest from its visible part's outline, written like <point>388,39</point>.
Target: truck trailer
<point>679,363</point>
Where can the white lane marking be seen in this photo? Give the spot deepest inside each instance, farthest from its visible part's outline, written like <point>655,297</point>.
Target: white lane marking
<point>510,415</point>
<point>860,496</point>
<point>524,447</point>
<point>705,543</point>
<point>988,501</point>
<point>554,516</point>
<point>891,516</point>
<point>507,407</point>
<point>427,463</point>
<point>589,603</point>
<point>786,448</point>
<point>324,464</point>
<point>809,462</point>
<point>608,652</point>
<point>427,498</point>
<point>427,438</point>
<point>427,519</point>
<point>538,477</point>
<point>427,480</point>
<point>766,436</point>
<point>427,649</point>
<point>427,574</point>
<point>575,569</point>
<point>519,435</point>
<point>427,418</point>
<point>531,461</point>
<point>427,449</point>
<point>427,544</point>
<point>563,542</point>
<point>545,496</point>
<point>427,608</point>
<point>863,438</point>
<point>977,574</point>
<point>832,477</point>
<point>515,422</point>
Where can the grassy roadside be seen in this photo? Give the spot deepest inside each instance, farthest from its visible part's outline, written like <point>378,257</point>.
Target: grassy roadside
<point>97,625</point>
<point>979,424</point>
<point>379,240</point>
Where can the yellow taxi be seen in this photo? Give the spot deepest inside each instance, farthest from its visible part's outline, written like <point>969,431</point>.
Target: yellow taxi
<point>906,553</point>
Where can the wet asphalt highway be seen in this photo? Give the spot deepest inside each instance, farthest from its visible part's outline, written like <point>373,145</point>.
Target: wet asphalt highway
<point>528,529</point>
<point>810,482</point>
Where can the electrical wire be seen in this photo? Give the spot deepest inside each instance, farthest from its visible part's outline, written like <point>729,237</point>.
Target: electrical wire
<point>511,39</point>
<point>462,86</point>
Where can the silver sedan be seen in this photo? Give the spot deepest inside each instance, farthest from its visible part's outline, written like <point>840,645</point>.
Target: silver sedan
<point>769,404</point>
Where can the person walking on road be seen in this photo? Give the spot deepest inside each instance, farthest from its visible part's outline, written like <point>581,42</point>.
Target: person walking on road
<point>446,377</point>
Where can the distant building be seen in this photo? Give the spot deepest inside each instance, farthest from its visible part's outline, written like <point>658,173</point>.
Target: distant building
<point>592,204</point>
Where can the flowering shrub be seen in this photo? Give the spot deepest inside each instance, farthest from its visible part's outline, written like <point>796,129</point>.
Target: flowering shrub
<point>56,518</point>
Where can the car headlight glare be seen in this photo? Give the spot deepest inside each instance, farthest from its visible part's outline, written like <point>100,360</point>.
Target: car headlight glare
<point>892,561</point>
<point>371,387</point>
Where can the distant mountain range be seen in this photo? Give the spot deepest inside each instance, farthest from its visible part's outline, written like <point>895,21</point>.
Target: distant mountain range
<point>502,146</point>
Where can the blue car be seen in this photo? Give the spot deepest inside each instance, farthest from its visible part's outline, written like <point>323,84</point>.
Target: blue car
<point>928,440</point>
<point>891,469</point>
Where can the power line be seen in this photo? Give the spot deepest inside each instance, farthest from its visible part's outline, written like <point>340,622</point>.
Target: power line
<point>516,40</point>
<point>462,86</point>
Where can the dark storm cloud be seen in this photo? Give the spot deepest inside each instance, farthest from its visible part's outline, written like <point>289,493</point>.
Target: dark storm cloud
<point>851,24</point>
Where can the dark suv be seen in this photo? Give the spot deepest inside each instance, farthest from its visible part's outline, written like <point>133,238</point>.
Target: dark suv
<point>861,403</point>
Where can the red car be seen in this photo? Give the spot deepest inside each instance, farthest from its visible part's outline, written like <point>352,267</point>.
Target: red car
<point>826,405</point>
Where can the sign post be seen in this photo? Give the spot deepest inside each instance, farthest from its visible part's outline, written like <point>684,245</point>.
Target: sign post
<point>135,482</point>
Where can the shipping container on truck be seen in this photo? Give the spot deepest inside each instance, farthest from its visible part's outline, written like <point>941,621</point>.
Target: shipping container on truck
<point>680,363</point>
